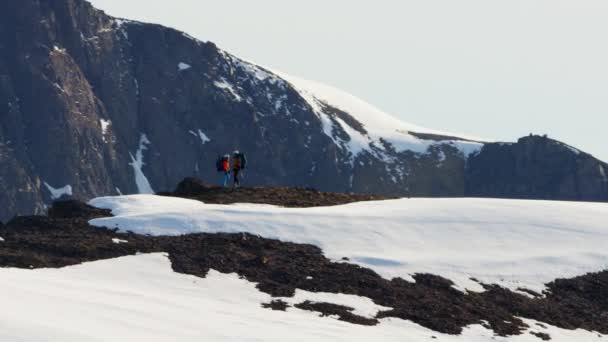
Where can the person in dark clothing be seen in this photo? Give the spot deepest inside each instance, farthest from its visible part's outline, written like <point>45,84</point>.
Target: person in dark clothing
<point>239,162</point>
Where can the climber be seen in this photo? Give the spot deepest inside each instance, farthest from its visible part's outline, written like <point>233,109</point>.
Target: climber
<point>239,163</point>
<point>223,165</point>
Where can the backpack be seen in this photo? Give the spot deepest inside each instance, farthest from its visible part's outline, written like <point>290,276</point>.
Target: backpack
<point>242,160</point>
<point>218,164</point>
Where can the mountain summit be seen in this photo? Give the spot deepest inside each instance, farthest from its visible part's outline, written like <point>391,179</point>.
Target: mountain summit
<point>92,105</point>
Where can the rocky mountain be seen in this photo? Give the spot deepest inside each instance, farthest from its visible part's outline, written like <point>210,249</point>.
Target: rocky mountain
<point>92,105</point>
<point>536,167</point>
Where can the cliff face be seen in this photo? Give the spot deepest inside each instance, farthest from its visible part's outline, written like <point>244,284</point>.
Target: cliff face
<point>91,105</point>
<point>537,168</point>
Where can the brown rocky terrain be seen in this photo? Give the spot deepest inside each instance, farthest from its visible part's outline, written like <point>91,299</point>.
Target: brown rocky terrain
<point>281,196</point>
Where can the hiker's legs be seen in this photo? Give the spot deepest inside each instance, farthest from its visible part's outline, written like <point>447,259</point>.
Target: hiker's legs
<point>237,181</point>
<point>226,179</point>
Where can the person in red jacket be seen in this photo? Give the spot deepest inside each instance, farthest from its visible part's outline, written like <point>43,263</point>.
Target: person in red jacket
<point>223,166</point>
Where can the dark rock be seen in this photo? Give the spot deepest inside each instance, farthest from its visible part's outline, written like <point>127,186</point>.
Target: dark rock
<point>280,196</point>
<point>343,312</point>
<point>76,209</point>
<point>542,336</point>
<point>276,305</point>
<point>190,187</point>
<point>536,168</point>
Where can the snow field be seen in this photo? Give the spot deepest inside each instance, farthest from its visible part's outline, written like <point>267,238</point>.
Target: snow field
<point>512,243</point>
<point>139,298</point>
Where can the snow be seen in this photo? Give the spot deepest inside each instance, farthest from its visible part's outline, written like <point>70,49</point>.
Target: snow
<point>1,239</point>
<point>183,66</point>
<point>59,87</point>
<point>573,149</point>
<point>441,158</point>
<point>120,25</point>
<point>363,306</point>
<point>379,125</point>
<point>58,49</point>
<point>119,241</point>
<point>603,173</point>
<point>200,134</point>
<point>513,243</point>
<point>225,85</point>
<point>57,193</point>
<point>105,124</point>
<point>140,298</point>
<point>257,71</point>
<point>121,22</point>
<point>136,83</point>
<point>137,162</point>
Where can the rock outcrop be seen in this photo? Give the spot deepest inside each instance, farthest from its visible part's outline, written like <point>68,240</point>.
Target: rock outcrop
<point>536,167</point>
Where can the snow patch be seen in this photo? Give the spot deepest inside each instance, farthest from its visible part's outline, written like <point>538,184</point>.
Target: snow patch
<point>572,149</point>
<point>120,25</point>
<point>183,66</point>
<point>120,22</point>
<point>494,241</point>
<point>57,193</point>
<point>58,49</point>
<point>380,126</point>
<point>442,157</point>
<point>1,239</point>
<point>363,306</point>
<point>255,70</point>
<point>119,241</point>
<point>225,85</point>
<point>137,162</point>
<point>136,83</point>
<point>105,124</point>
<point>58,87</point>
<point>603,173</point>
<point>200,134</point>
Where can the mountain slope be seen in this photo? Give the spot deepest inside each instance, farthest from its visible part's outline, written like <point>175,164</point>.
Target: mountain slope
<point>92,105</point>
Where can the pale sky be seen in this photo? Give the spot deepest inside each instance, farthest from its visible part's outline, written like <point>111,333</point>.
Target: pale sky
<point>491,68</point>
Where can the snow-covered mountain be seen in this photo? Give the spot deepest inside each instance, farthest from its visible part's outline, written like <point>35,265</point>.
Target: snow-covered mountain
<point>92,105</point>
<point>228,281</point>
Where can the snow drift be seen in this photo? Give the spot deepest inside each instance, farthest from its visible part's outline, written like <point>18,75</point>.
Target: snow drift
<point>516,244</point>
<point>139,298</point>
